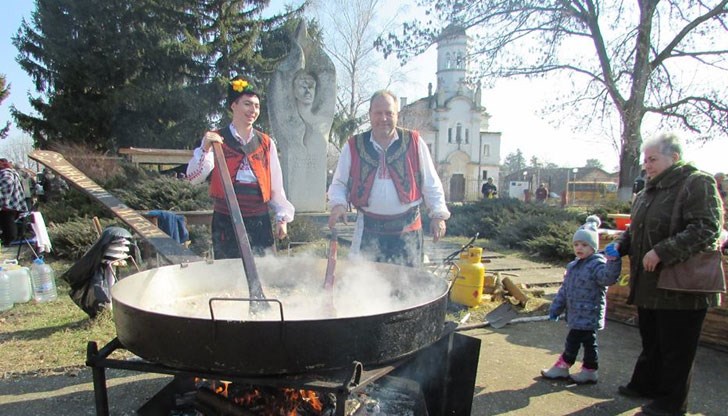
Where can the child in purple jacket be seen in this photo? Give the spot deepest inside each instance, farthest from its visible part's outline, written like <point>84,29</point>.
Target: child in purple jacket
<point>582,297</point>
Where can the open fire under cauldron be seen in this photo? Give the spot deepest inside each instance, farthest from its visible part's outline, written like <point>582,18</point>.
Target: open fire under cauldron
<point>197,316</point>
<point>441,374</point>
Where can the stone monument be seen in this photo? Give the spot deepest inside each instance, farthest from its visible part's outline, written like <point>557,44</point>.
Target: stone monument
<point>302,95</point>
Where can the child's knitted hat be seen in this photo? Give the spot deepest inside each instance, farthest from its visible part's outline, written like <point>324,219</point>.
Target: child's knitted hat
<point>588,232</point>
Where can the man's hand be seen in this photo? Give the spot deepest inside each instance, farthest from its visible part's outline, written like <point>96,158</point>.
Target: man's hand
<point>208,139</point>
<point>281,230</point>
<point>337,212</point>
<point>438,229</point>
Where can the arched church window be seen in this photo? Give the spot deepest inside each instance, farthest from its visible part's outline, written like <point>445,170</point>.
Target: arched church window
<point>459,133</point>
<point>449,135</point>
<point>459,63</point>
<point>467,136</point>
<point>448,61</point>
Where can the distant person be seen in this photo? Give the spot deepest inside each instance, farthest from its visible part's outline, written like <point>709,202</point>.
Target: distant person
<point>542,193</point>
<point>639,183</point>
<point>582,297</point>
<point>677,215</point>
<point>12,201</point>
<point>489,190</point>
<point>719,179</point>
<point>387,174</point>
<point>53,186</point>
<point>27,179</point>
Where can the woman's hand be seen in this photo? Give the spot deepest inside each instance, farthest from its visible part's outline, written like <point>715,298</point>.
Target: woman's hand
<point>209,138</point>
<point>650,261</point>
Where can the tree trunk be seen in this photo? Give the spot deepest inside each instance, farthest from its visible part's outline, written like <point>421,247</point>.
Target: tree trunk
<point>629,158</point>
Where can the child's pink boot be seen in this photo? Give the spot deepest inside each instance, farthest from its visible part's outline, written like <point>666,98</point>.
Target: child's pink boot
<point>585,376</point>
<point>559,370</point>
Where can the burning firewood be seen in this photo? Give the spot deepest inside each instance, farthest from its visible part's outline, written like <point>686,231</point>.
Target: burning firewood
<point>221,405</point>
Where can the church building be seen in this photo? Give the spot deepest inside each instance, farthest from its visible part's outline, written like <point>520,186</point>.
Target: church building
<point>454,123</point>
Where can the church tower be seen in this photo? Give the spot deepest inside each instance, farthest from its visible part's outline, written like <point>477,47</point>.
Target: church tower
<point>454,123</point>
<point>452,64</point>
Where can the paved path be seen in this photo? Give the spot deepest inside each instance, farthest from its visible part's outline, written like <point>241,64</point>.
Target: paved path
<point>507,383</point>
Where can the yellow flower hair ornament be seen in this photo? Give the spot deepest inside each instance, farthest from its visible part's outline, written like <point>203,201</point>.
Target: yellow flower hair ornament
<point>240,85</point>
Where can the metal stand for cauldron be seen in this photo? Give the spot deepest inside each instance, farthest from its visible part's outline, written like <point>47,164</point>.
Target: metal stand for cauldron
<point>447,384</point>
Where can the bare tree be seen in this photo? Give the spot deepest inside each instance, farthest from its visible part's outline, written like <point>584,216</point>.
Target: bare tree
<point>628,60</point>
<point>4,93</point>
<point>349,31</point>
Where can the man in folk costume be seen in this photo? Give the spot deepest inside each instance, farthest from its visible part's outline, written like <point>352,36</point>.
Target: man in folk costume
<point>387,173</point>
<point>255,170</point>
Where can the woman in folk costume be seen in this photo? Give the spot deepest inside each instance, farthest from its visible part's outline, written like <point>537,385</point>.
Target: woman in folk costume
<point>252,160</point>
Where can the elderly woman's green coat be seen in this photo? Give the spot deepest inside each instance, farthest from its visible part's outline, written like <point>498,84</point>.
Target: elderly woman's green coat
<point>698,229</point>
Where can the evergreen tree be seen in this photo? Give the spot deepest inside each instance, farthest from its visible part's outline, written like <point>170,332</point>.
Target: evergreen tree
<point>144,73</point>
<point>514,162</point>
<point>594,163</point>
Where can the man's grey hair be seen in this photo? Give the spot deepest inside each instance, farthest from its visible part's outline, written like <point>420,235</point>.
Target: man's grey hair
<point>666,143</point>
<point>385,93</point>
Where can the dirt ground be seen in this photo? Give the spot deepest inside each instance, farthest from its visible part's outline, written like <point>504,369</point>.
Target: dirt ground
<point>508,381</point>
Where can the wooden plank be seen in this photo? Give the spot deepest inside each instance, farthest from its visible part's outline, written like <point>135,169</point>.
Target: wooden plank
<point>168,248</point>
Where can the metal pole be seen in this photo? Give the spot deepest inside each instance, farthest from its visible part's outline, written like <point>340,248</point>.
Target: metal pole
<point>101,395</point>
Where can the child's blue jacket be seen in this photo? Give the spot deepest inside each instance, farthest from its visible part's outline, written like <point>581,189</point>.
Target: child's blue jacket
<point>583,294</point>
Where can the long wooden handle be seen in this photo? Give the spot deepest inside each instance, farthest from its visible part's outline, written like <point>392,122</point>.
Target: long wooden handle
<point>251,272</point>
<point>331,265</point>
<point>168,248</point>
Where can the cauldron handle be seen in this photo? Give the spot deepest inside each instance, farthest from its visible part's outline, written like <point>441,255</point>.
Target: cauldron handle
<point>249,300</point>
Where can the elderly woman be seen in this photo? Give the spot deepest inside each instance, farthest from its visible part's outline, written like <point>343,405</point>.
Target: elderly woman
<point>669,322</point>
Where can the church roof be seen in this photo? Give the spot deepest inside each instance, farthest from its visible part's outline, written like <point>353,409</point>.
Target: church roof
<point>452,30</point>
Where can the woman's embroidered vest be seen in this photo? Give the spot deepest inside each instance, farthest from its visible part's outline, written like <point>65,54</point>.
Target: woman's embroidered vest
<point>258,153</point>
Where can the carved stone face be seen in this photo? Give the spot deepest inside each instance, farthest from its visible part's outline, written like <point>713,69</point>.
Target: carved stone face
<point>304,88</point>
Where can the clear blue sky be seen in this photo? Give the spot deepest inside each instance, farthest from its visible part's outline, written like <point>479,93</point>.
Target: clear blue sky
<point>512,115</point>
<point>13,12</point>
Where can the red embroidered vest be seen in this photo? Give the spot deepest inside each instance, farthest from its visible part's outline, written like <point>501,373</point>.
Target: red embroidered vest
<point>257,152</point>
<point>402,164</point>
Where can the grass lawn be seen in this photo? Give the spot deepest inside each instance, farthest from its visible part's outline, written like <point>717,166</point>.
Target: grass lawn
<point>49,336</point>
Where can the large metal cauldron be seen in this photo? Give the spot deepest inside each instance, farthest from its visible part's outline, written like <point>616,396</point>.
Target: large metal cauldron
<point>191,317</point>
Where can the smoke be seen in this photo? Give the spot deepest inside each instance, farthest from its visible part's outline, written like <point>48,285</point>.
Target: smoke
<point>361,288</point>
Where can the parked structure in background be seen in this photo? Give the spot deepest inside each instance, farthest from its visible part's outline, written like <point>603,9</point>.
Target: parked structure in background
<point>516,184</point>
<point>454,123</point>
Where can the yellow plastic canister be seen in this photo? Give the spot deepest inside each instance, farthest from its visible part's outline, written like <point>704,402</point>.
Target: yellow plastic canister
<point>467,288</point>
